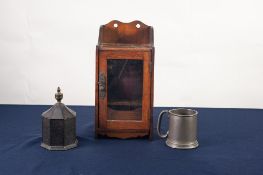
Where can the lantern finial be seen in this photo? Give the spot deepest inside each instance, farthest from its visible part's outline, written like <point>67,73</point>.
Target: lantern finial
<point>59,95</point>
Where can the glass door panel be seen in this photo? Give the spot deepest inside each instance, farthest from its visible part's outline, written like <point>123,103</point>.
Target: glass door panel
<point>124,89</point>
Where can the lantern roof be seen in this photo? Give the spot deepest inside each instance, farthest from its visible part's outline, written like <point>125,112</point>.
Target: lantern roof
<point>59,110</point>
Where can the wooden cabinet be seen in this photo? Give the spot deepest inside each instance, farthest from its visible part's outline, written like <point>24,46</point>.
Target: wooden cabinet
<point>124,80</point>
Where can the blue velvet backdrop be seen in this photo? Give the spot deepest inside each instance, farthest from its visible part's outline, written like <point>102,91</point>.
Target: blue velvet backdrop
<point>230,143</point>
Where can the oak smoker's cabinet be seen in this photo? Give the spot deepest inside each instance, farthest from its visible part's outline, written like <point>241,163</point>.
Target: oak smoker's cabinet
<point>124,80</point>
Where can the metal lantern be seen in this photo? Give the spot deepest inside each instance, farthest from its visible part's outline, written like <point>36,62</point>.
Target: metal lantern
<point>59,126</point>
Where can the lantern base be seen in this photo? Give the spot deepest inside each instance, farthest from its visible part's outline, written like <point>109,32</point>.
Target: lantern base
<point>59,148</point>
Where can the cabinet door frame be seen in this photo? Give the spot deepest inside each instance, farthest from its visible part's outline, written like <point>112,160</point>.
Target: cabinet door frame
<point>103,121</point>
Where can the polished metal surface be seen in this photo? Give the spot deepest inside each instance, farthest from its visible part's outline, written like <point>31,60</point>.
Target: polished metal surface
<point>182,132</point>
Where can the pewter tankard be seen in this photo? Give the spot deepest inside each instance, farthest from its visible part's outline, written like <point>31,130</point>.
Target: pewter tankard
<point>182,131</point>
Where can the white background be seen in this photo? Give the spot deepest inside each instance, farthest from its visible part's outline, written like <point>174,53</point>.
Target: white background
<point>209,53</point>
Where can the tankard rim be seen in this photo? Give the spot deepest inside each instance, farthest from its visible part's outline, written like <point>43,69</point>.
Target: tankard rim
<point>183,112</point>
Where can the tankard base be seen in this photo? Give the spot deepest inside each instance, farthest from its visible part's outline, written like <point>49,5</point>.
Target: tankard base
<point>182,146</point>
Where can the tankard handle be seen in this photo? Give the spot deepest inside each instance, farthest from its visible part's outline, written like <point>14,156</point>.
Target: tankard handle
<point>159,124</point>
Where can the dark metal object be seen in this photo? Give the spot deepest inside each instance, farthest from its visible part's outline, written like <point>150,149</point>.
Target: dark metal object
<point>59,126</point>
<point>102,85</point>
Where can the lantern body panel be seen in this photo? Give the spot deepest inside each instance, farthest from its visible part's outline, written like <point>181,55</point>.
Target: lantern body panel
<point>46,131</point>
<point>56,132</point>
<point>70,131</point>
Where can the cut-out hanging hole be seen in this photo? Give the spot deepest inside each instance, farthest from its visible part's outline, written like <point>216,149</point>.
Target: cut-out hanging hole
<point>138,26</point>
<point>115,25</point>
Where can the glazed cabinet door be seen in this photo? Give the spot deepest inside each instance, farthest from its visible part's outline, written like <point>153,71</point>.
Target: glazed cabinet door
<point>124,89</point>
